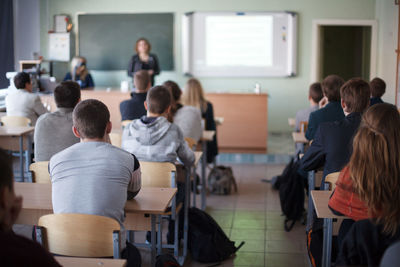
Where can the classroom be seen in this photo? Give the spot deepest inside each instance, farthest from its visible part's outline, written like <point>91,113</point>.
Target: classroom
<point>132,131</point>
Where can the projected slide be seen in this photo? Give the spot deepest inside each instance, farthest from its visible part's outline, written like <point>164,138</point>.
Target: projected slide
<point>239,41</point>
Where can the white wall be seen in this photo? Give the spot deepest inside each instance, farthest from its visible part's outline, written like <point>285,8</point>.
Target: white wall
<point>26,29</point>
<point>386,13</point>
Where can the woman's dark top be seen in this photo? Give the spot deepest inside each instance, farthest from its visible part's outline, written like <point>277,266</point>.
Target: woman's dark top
<point>88,82</point>
<point>212,146</point>
<point>136,64</point>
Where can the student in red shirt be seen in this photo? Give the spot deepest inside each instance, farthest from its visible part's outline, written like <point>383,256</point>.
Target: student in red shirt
<point>369,186</point>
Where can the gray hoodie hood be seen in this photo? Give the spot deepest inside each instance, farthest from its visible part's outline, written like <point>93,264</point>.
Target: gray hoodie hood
<point>149,133</point>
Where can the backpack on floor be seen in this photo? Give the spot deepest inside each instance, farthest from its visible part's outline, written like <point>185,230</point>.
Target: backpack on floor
<point>291,194</point>
<point>207,242</point>
<point>166,260</point>
<point>221,180</point>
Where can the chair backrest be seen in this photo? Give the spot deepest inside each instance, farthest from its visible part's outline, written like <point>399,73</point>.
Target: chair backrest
<point>191,142</point>
<point>116,139</point>
<point>40,172</point>
<point>391,256</point>
<point>79,235</point>
<point>15,121</point>
<point>158,174</point>
<point>331,180</point>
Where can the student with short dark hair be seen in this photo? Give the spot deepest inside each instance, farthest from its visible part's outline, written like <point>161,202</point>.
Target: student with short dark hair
<point>94,177</point>
<point>332,144</point>
<point>314,96</point>
<point>134,108</point>
<point>152,137</point>
<point>22,102</point>
<point>16,250</point>
<point>378,88</point>
<point>53,130</point>
<point>188,118</point>
<point>331,110</point>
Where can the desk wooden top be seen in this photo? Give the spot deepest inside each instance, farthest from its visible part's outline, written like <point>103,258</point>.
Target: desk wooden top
<point>15,131</point>
<point>197,155</point>
<point>90,262</point>
<point>298,137</point>
<point>208,135</point>
<point>149,200</point>
<point>320,199</point>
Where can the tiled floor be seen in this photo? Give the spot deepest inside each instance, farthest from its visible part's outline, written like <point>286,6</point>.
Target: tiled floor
<point>253,215</point>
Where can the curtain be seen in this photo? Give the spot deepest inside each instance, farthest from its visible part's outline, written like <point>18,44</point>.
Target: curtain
<point>6,41</point>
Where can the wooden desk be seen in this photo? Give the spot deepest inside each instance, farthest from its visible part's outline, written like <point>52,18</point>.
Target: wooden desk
<point>37,202</point>
<point>245,127</point>
<point>89,262</point>
<point>299,137</point>
<point>320,200</point>
<point>12,138</point>
<point>245,117</point>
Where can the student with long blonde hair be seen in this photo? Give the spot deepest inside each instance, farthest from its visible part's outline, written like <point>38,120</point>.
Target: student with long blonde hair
<point>369,187</point>
<point>193,95</point>
<point>79,73</point>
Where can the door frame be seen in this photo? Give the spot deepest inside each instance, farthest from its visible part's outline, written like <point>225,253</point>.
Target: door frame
<point>316,39</point>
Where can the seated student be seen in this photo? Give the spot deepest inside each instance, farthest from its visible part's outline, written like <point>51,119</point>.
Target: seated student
<point>378,87</point>
<point>16,250</point>
<point>193,96</point>
<point>79,73</point>
<point>369,187</point>
<point>332,143</point>
<point>23,102</point>
<point>186,117</point>
<point>314,96</point>
<point>133,108</point>
<point>53,130</point>
<point>153,138</point>
<point>94,177</point>
<point>331,110</point>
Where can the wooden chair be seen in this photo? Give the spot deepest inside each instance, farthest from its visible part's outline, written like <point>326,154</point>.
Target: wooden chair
<point>79,235</point>
<point>331,179</point>
<point>161,174</point>
<point>116,139</point>
<point>15,121</point>
<point>191,142</point>
<point>40,172</point>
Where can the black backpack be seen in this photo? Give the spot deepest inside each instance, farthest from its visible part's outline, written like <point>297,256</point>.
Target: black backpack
<point>291,193</point>
<point>166,260</point>
<point>207,242</point>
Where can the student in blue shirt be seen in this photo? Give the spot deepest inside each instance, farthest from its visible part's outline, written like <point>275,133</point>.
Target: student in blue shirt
<point>79,73</point>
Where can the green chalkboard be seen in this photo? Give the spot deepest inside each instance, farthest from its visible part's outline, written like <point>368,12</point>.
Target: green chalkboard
<point>107,40</point>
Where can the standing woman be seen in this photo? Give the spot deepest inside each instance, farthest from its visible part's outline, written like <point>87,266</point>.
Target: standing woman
<point>79,73</point>
<point>143,60</point>
<point>193,96</point>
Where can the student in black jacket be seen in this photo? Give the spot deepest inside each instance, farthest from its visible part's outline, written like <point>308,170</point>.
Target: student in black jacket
<point>332,144</point>
<point>134,108</point>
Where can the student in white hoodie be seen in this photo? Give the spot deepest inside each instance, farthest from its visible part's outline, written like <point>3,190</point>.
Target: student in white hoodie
<point>22,102</point>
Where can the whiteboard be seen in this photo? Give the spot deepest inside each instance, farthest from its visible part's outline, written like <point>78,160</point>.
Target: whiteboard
<point>239,44</point>
<point>59,47</point>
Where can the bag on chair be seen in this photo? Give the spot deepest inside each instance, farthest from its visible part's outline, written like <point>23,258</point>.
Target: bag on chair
<point>221,180</point>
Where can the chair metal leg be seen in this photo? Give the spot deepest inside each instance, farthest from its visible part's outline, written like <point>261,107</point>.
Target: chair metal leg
<point>21,159</point>
<point>194,186</point>
<point>327,243</point>
<point>117,244</point>
<point>311,186</point>
<point>203,176</point>
<point>159,235</point>
<point>153,239</point>
<point>176,237</point>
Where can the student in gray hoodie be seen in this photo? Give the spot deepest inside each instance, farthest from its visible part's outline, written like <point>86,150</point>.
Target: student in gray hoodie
<point>152,137</point>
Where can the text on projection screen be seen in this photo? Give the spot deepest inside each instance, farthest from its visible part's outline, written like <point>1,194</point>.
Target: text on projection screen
<point>239,41</point>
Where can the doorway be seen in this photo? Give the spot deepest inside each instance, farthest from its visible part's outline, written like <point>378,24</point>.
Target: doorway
<point>345,48</point>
